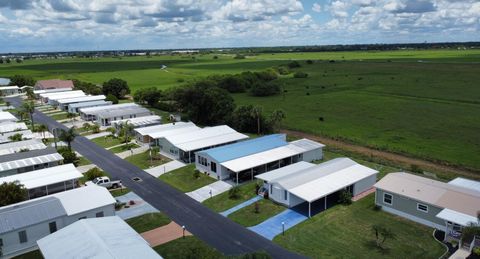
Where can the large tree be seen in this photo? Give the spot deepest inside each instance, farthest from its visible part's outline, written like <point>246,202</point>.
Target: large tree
<point>22,80</point>
<point>151,96</point>
<point>250,119</point>
<point>11,193</point>
<point>68,136</point>
<point>117,87</point>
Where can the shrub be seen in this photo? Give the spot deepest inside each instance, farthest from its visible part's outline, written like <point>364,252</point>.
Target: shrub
<point>196,174</point>
<point>416,169</point>
<point>377,208</point>
<point>309,62</point>
<point>265,89</point>
<point>476,251</point>
<point>112,98</point>
<point>300,74</point>
<point>239,56</point>
<point>294,64</point>
<point>69,157</point>
<point>345,197</point>
<point>93,173</point>
<point>257,207</point>
<point>234,193</point>
<point>283,70</point>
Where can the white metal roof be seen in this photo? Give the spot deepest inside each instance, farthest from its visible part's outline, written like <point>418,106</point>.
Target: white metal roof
<point>9,87</point>
<point>95,110</point>
<point>128,111</point>
<point>284,171</point>
<point>43,177</point>
<point>14,126</point>
<point>205,137</point>
<point>64,94</point>
<point>55,92</point>
<point>457,217</point>
<point>292,149</point>
<point>140,121</point>
<point>52,90</point>
<point>466,183</point>
<point>6,116</point>
<point>21,163</point>
<point>101,238</point>
<point>85,198</point>
<point>26,134</point>
<point>316,182</point>
<point>159,131</point>
<point>80,99</point>
<point>13,147</point>
<point>89,104</point>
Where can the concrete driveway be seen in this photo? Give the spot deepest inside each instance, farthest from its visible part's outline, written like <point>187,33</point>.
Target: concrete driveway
<point>165,168</point>
<point>204,193</point>
<point>140,207</point>
<point>273,226</point>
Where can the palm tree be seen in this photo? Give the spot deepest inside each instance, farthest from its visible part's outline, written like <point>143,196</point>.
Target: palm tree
<point>68,136</point>
<point>276,117</point>
<point>86,126</point>
<point>126,127</point>
<point>29,107</point>
<point>256,113</point>
<point>71,116</point>
<point>42,128</point>
<point>30,94</point>
<point>95,128</point>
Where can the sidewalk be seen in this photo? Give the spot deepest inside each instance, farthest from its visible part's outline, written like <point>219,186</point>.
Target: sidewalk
<point>85,168</point>
<point>140,207</point>
<point>165,168</point>
<point>241,205</point>
<point>164,234</point>
<point>97,135</point>
<point>210,190</point>
<point>132,152</point>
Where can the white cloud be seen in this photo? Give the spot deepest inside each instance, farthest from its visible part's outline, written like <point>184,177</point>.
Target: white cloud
<point>316,7</point>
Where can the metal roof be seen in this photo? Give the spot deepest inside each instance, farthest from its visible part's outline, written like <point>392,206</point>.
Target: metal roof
<point>140,121</point>
<point>293,148</point>
<point>44,177</point>
<point>30,158</point>
<point>94,110</point>
<point>206,137</point>
<point>163,127</point>
<point>13,126</point>
<point>284,171</point>
<point>87,98</point>
<point>246,147</point>
<point>6,116</point>
<point>321,180</point>
<point>457,217</point>
<point>466,183</point>
<point>429,191</point>
<point>26,134</point>
<point>62,94</point>
<point>89,104</point>
<point>107,237</point>
<point>123,112</point>
<point>13,147</point>
<point>164,130</point>
<point>51,90</point>
<point>9,87</point>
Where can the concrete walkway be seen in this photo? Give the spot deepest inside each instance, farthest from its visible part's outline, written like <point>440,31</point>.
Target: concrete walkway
<point>164,234</point>
<point>165,168</point>
<point>132,152</point>
<point>460,254</point>
<point>273,226</point>
<point>84,168</point>
<point>97,135</point>
<point>119,145</point>
<point>209,191</point>
<point>241,205</point>
<point>139,208</point>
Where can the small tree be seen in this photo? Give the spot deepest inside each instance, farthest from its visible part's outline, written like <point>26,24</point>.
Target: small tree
<point>16,137</point>
<point>11,193</point>
<point>257,113</point>
<point>234,193</point>
<point>86,126</point>
<point>345,197</point>
<point>277,117</point>
<point>196,174</point>
<point>112,98</point>
<point>30,94</point>
<point>69,156</point>
<point>42,128</point>
<point>117,87</point>
<point>93,173</point>
<point>21,80</point>
<point>95,128</point>
<point>68,136</point>
<point>382,233</point>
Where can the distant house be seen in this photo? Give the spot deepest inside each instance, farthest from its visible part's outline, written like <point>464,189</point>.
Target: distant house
<point>139,122</point>
<point>91,113</point>
<point>75,107</point>
<point>54,98</point>
<point>22,224</point>
<point>145,134</point>
<point>243,160</point>
<point>6,116</point>
<point>317,187</point>
<point>106,238</point>
<point>14,147</point>
<point>448,207</point>
<point>53,84</point>
<point>12,126</point>
<point>22,162</point>
<point>9,90</point>
<point>106,116</point>
<point>47,181</point>
<point>63,103</point>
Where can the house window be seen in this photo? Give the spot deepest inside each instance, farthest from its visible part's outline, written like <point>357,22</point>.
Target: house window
<point>99,214</point>
<point>387,198</point>
<point>285,194</point>
<point>422,207</point>
<point>22,236</point>
<point>213,167</point>
<point>52,226</point>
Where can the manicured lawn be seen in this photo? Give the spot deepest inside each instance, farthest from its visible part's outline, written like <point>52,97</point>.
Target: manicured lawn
<point>124,148</point>
<point>60,116</point>
<point>108,141</point>
<point>119,192</point>
<point>188,247</point>
<point>184,180</point>
<point>247,216</point>
<point>143,160</point>
<point>345,231</point>
<point>148,222</point>
<point>83,161</point>
<point>35,254</point>
<point>223,202</point>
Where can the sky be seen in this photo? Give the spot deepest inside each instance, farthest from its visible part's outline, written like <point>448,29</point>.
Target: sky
<point>69,25</point>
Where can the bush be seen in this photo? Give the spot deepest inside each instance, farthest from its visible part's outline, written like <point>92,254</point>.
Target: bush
<point>196,174</point>
<point>283,70</point>
<point>416,169</point>
<point>309,62</point>
<point>294,64</point>
<point>345,197</point>
<point>300,74</point>
<point>69,157</point>
<point>265,88</point>
<point>93,173</point>
<point>239,56</point>
<point>476,251</point>
<point>165,106</point>
<point>377,208</point>
<point>112,98</point>
<point>234,193</point>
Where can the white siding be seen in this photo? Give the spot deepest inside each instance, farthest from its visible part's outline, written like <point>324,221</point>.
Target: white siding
<point>364,184</point>
<point>312,155</point>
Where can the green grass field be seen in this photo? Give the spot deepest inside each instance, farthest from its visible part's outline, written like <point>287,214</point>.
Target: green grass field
<point>422,103</point>
<point>188,247</point>
<point>148,222</point>
<point>123,148</point>
<point>143,160</point>
<point>343,231</point>
<point>223,202</point>
<point>108,141</point>
<point>184,180</point>
<point>248,217</point>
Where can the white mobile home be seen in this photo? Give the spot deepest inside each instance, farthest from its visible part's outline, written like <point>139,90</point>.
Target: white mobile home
<point>184,145</point>
<point>243,160</point>
<point>38,92</point>
<point>22,162</point>
<point>9,90</point>
<point>106,238</point>
<point>26,134</point>
<point>52,98</point>
<point>140,122</point>
<point>12,126</point>
<point>149,134</point>
<point>316,187</point>
<point>22,224</point>
<point>63,103</point>
<point>75,107</point>
<point>47,181</point>
<point>90,113</point>
<point>6,116</point>
<point>105,118</point>
<point>24,145</point>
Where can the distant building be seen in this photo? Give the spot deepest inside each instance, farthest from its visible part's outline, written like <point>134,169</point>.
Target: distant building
<point>75,107</point>
<point>105,238</point>
<point>139,122</point>
<point>14,147</point>
<point>145,134</point>
<point>53,84</point>
<point>91,113</point>
<point>65,102</point>
<point>22,162</point>
<point>22,224</point>
<point>6,116</point>
<point>9,90</point>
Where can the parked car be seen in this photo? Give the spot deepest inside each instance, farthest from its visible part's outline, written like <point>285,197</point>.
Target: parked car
<point>104,181</point>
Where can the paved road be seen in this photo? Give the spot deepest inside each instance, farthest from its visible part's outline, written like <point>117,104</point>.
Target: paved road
<point>216,230</point>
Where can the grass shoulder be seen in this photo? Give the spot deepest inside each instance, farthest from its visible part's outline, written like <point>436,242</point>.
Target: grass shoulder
<point>223,201</point>
<point>148,221</point>
<point>256,213</point>
<point>184,179</point>
<point>144,161</point>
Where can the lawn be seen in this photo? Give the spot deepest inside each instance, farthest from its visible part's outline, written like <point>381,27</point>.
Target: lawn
<point>108,141</point>
<point>124,148</point>
<point>188,247</point>
<point>183,179</point>
<point>143,160</point>
<point>248,217</point>
<point>83,161</point>
<point>223,202</point>
<point>343,231</point>
<point>148,221</point>
<point>60,116</point>
<point>119,192</point>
